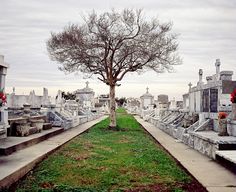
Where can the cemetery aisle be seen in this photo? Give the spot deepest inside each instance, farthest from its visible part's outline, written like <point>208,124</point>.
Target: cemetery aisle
<point>15,166</point>
<point>209,173</point>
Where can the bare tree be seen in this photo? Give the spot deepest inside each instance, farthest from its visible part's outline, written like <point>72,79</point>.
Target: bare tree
<point>112,44</point>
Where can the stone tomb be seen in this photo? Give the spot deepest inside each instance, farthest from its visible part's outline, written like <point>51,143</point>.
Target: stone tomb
<point>147,100</point>
<point>3,109</point>
<point>85,97</point>
<point>16,101</point>
<point>196,124</point>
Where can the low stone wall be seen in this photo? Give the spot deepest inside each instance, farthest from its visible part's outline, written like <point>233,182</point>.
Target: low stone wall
<point>187,136</point>
<point>204,145</point>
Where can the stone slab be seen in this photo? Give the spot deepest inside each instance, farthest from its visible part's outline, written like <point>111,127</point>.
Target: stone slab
<point>213,137</point>
<point>209,173</point>
<point>12,144</point>
<point>16,165</point>
<point>230,155</point>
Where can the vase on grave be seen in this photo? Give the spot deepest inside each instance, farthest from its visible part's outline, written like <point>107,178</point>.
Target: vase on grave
<point>222,124</point>
<point>223,127</point>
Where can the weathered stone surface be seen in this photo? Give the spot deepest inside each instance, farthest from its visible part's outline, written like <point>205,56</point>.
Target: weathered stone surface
<point>186,138</point>
<point>180,132</point>
<point>22,129</point>
<point>203,146</point>
<point>33,130</point>
<point>38,123</point>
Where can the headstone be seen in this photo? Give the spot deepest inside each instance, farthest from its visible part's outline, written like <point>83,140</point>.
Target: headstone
<point>162,99</point>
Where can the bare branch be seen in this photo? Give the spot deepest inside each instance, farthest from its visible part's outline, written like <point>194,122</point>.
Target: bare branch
<point>113,43</point>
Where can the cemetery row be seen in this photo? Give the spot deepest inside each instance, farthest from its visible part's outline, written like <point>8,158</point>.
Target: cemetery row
<point>205,119</point>
<point>24,115</point>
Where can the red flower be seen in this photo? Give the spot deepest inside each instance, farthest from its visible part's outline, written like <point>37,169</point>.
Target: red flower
<point>222,115</point>
<point>233,96</point>
<point>3,97</point>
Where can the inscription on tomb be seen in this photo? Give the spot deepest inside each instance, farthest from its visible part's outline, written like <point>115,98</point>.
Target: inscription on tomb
<point>205,100</point>
<point>228,86</point>
<point>213,100</point>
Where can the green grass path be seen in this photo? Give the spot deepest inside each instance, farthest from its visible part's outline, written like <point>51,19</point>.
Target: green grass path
<point>105,160</point>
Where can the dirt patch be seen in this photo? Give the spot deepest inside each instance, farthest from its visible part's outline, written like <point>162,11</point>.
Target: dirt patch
<point>88,145</point>
<point>150,188</point>
<point>102,168</point>
<point>194,186</point>
<point>188,187</point>
<point>104,148</point>
<point>82,157</point>
<point>47,185</point>
<point>124,140</point>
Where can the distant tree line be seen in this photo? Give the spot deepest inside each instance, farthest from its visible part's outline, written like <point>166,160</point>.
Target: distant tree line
<point>68,95</point>
<point>121,101</point>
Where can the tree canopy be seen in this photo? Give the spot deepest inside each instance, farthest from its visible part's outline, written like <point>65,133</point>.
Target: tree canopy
<point>112,44</point>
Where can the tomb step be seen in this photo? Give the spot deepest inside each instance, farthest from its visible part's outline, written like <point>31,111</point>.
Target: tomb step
<point>2,131</point>
<point>11,144</point>
<point>227,158</point>
<point>47,126</point>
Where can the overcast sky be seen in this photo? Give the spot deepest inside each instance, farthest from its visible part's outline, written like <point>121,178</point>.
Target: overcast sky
<point>206,27</point>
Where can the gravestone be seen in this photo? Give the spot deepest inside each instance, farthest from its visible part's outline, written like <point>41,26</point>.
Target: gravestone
<point>162,99</point>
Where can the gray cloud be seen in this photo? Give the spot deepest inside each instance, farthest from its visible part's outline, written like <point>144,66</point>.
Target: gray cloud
<point>206,27</point>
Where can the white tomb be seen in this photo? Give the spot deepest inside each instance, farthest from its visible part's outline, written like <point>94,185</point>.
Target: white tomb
<point>85,97</point>
<point>34,100</point>
<point>207,99</point>
<point>3,109</point>
<point>147,100</point>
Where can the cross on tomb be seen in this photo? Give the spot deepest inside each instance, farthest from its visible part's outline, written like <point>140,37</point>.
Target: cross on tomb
<point>87,84</point>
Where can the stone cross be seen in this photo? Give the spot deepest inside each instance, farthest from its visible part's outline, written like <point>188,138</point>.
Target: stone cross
<point>200,75</point>
<point>147,89</point>
<point>87,84</point>
<point>217,64</point>
<point>190,86</point>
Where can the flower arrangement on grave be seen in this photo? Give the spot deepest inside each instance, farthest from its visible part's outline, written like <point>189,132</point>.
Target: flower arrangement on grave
<point>233,96</point>
<point>222,115</point>
<point>3,98</point>
<point>222,123</point>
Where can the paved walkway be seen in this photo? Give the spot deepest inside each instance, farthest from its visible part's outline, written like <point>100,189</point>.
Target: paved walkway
<point>209,173</point>
<point>16,165</point>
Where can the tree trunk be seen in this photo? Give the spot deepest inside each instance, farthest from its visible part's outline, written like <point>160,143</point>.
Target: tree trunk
<point>112,108</point>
